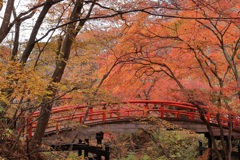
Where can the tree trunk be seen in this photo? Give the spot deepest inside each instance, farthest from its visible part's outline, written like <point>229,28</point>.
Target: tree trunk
<point>36,140</point>
<point>4,30</point>
<point>31,42</point>
<point>72,31</point>
<point>209,128</point>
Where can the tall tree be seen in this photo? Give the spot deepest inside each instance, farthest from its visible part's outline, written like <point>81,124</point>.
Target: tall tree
<point>200,49</point>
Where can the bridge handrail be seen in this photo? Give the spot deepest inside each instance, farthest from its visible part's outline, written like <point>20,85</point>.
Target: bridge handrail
<point>70,108</point>
<point>165,108</point>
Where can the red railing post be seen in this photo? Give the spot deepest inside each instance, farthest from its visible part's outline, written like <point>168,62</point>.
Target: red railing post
<point>119,116</point>
<point>80,119</point>
<point>110,112</point>
<point>146,110</point>
<point>90,112</point>
<point>104,117</point>
<point>57,125</point>
<point>128,113</point>
<point>178,114</point>
<point>190,116</point>
<point>162,111</point>
<point>208,116</point>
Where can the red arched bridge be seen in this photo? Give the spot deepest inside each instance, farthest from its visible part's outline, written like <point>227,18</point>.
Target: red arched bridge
<point>63,117</point>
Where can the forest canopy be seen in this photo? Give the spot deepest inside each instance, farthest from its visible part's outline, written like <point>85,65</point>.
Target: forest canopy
<point>92,51</point>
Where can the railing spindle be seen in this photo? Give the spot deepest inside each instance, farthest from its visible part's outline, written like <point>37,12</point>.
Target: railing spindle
<point>162,111</point>
<point>104,117</point>
<point>90,112</point>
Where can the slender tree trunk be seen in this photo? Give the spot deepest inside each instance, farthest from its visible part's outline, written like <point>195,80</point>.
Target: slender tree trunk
<point>31,41</point>
<point>16,42</point>
<point>72,31</point>
<point>4,30</point>
<point>229,138</point>
<point>209,128</point>
<point>45,113</point>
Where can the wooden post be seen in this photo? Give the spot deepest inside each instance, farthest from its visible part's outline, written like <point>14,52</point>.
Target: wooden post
<point>210,146</point>
<point>79,151</point>
<point>200,148</point>
<point>98,157</point>
<point>238,151</point>
<point>107,148</point>
<point>99,137</point>
<point>86,152</point>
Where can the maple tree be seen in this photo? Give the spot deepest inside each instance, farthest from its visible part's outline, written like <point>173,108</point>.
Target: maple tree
<point>199,52</point>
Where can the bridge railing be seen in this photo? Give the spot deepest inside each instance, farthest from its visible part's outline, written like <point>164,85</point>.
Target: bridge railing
<point>70,116</point>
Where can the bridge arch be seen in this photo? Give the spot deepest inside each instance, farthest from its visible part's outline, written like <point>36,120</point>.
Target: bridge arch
<point>180,113</point>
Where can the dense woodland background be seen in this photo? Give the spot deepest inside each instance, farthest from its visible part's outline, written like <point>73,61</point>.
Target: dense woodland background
<point>90,51</point>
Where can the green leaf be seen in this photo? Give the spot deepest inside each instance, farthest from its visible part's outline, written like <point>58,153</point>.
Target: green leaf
<point>2,109</point>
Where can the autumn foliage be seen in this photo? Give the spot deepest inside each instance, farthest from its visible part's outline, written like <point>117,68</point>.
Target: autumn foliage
<point>54,53</point>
